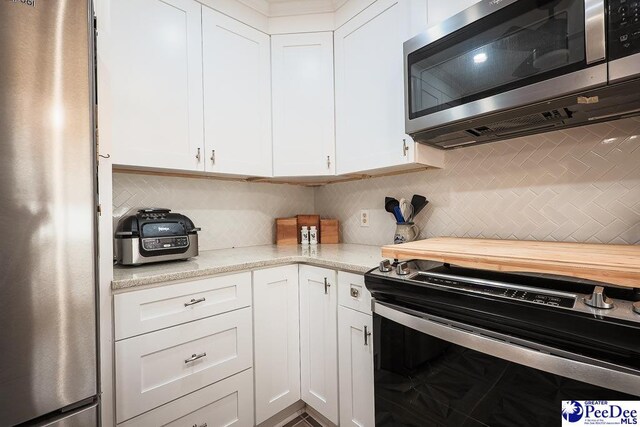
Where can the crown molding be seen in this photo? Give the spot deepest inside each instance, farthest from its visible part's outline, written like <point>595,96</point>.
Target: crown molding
<point>279,8</point>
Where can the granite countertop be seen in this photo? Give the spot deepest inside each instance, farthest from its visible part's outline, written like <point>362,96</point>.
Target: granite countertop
<point>347,257</point>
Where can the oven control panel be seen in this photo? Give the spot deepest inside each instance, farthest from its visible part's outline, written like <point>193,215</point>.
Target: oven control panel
<point>624,28</point>
<point>164,243</point>
<point>499,291</point>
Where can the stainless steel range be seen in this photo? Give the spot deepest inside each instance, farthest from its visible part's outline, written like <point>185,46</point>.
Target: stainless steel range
<point>456,346</point>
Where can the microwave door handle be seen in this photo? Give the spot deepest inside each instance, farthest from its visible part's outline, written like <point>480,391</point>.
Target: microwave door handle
<point>594,30</point>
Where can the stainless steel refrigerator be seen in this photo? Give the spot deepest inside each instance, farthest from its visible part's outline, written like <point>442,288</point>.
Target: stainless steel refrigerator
<point>48,338</point>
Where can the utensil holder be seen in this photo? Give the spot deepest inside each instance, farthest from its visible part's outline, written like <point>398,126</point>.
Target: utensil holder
<point>405,232</point>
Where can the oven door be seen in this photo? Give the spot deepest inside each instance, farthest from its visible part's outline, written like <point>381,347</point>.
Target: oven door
<point>498,55</point>
<point>433,372</point>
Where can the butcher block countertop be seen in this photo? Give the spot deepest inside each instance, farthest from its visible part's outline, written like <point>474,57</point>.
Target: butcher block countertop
<point>615,264</point>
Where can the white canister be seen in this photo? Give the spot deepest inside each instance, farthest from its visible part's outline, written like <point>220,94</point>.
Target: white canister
<point>304,232</point>
<point>313,235</point>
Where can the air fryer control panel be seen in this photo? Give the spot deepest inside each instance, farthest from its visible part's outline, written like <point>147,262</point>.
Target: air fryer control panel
<point>164,243</point>
<point>624,28</point>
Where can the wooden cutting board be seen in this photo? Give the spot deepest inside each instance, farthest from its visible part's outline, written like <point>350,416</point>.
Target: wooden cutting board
<point>615,264</point>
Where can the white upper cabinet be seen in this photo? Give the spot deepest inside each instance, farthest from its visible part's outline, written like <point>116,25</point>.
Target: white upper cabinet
<point>438,10</point>
<point>303,104</point>
<point>155,80</point>
<point>237,96</point>
<point>370,89</point>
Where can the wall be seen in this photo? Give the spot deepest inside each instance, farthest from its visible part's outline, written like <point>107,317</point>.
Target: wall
<point>231,214</point>
<point>580,184</point>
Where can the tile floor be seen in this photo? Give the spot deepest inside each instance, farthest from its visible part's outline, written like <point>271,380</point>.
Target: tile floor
<point>304,420</point>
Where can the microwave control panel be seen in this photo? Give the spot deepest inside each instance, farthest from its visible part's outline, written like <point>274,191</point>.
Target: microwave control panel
<point>624,28</point>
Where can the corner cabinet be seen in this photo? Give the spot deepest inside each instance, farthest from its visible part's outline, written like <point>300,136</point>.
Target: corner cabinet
<point>236,67</point>
<point>155,79</point>
<point>369,80</point>
<point>303,104</point>
<point>319,340</point>
<point>276,331</point>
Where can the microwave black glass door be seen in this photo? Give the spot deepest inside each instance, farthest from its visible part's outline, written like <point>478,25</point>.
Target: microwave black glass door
<point>520,44</point>
<point>421,381</point>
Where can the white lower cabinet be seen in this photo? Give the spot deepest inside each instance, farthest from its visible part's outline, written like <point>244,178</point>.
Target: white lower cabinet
<point>276,340</point>
<point>318,340</point>
<point>225,403</point>
<point>139,312</point>
<point>239,354</point>
<point>356,368</point>
<point>158,367</point>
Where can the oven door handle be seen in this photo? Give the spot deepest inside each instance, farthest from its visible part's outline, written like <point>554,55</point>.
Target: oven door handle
<point>594,30</point>
<point>516,350</point>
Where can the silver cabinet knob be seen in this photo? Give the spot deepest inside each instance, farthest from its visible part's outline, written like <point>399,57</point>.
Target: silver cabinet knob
<point>598,299</point>
<point>402,269</point>
<point>636,307</point>
<point>385,266</point>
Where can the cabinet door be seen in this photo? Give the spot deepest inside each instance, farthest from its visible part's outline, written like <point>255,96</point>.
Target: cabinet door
<point>319,340</point>
<point>237,96</point>
<point>155,79</point>
<point>303,104</point>
<point>355,349</point>
<point>276,340</point>
<point>370,87</point>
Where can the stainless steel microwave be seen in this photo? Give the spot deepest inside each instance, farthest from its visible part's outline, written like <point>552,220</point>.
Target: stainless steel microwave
<point>505,68</point>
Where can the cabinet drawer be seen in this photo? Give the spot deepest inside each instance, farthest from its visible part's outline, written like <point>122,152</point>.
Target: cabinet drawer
<point>149,310</point>
<point>225,403</point>
<point>352,292</point>
<point>155,368</point>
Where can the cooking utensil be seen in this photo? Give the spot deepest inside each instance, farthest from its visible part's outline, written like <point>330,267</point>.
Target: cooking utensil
<point>398,214</point>
<point>406,208</point>
<point>418,202</point>
<point>389,204</point>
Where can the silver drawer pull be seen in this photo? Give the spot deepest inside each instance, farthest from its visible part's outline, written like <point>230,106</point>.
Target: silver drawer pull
<point>355,292</point>
<point>194,301</point>
<point>367,334</point>
<point>200,425</point>
<point>195,357</point>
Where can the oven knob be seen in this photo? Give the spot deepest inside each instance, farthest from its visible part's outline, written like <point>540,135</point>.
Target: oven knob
<point>402,269</point>
<point>598,299</point>
<point>636,307</point>
<point>385,266</point>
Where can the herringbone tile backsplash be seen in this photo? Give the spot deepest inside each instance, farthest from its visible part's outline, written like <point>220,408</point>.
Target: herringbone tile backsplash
<point>580,184</point>
<point>231,214</point>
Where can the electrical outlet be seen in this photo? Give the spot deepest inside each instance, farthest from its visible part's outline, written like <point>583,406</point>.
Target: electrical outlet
<point>364,218</point>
